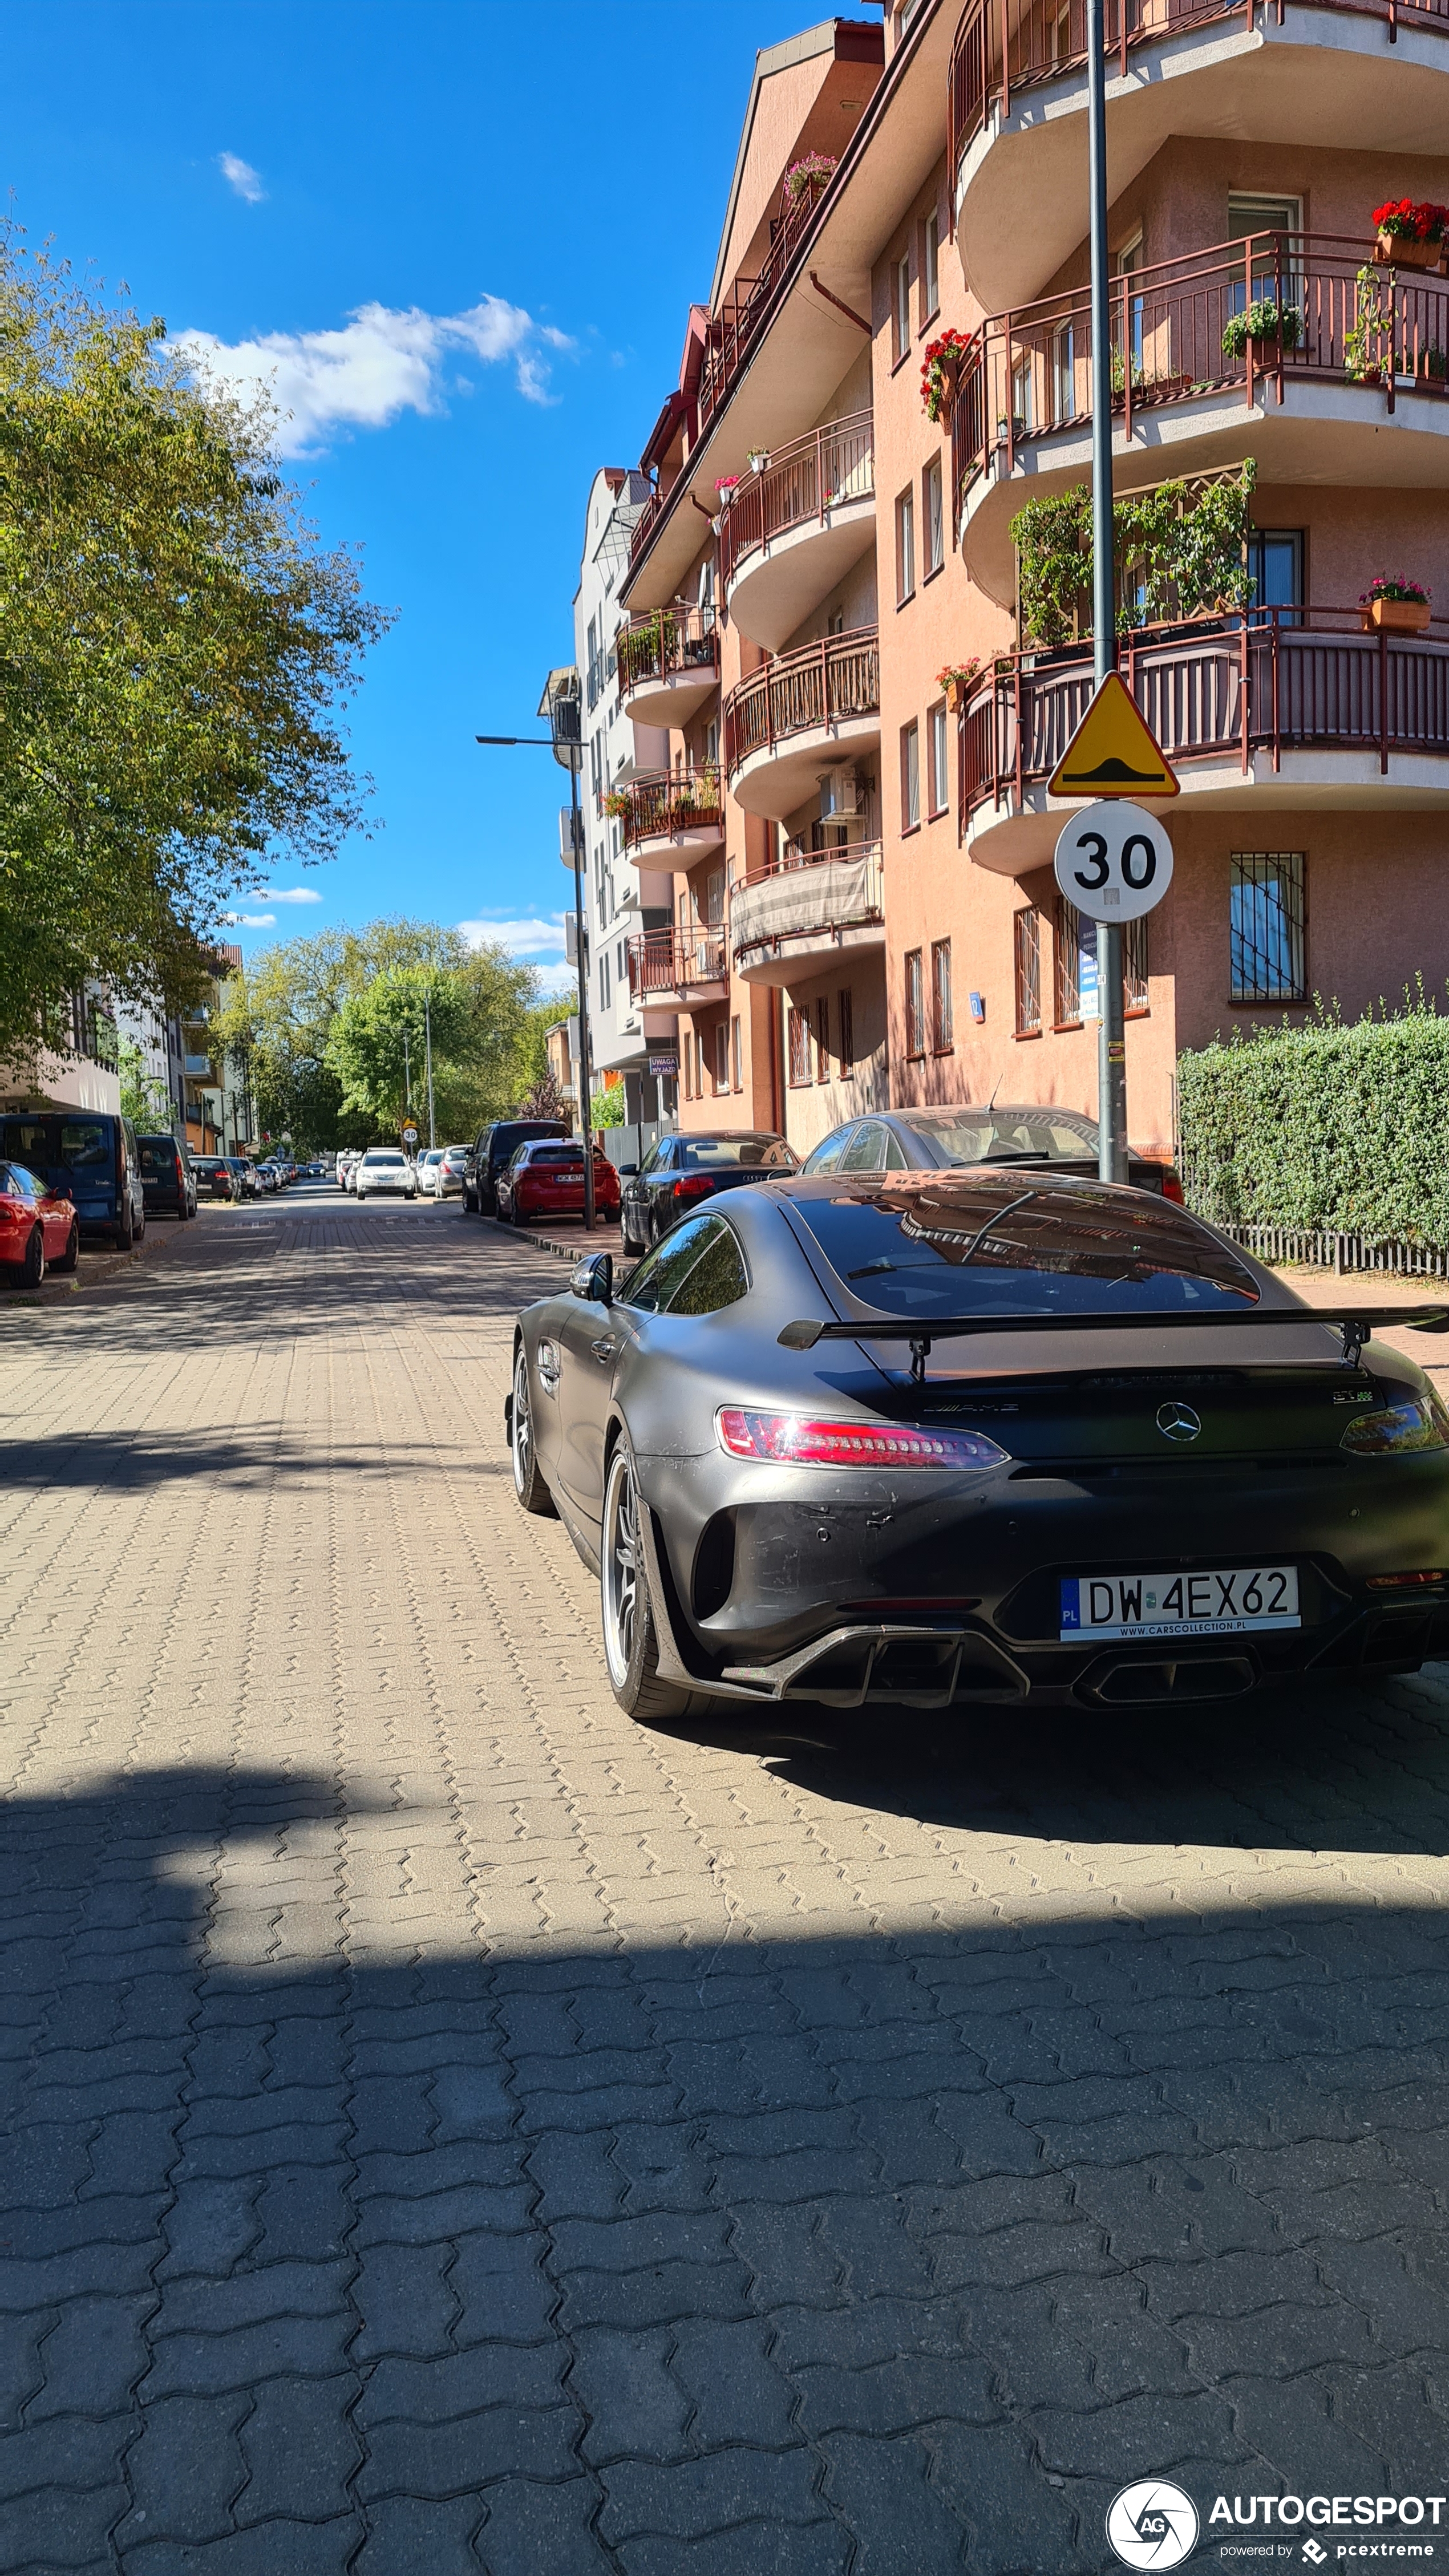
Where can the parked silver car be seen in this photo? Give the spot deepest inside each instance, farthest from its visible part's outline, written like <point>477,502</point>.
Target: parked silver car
<point>386,1169</point>
<point>448,1183</point>
<point>428,1165</point>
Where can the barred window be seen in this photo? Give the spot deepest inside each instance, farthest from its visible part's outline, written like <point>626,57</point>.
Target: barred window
<point>915,1007</point>
<point>1067,948</point>
<point>1266,914</point>
<point>941,1022</point>
<point>1026,930</point>
<point>799,1047</point>
<point>1135,967</point>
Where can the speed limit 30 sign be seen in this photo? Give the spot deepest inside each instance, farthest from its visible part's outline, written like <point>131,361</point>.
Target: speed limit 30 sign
<point>1114,861</point>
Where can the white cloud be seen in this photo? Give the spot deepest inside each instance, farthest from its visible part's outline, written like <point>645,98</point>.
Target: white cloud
<point>252,920</point>
<point>534,940</point>
<point>285,894</point>
<point>383,362</point>
<point>240,175</point>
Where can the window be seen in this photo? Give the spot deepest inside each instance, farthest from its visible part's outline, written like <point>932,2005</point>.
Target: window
<point>1266,911</point>
<point>866,1151</point>
<point>1064,373</point>
<point>1249,216</point>
<point>941,1037</point>
<point>846,1008</point>
<point>937,784</point>
<point>915,1009</point>
<point>1023,401</point>
<point>1275,560</point>
<point>1135,990</point>
<point>933,517</point>
<point>903,306</point>
<point>1074,996</point>
<point>1026,934</point>
<point>697,1269</point>
<point>721,1055</point>
<point>604,982</point>
<point>699,1064</point>
<point>822,1038</point>
<point>1126,263</point>
<point>905,547</point>
<point>738,1059</point>
<point>799,1026</point>
<point>931,266</point>
<point>910,777</point>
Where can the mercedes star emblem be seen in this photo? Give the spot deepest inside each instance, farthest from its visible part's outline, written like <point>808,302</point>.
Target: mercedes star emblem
<point>1178,1422</point>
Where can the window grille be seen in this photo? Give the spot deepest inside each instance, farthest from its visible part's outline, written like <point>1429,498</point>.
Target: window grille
<point>1067,965</point>
<point>1026,927</point>
<point>915,1011</point>
<point>941,1024</point>
<point>799,1048</point>
<point>1135,952</point>
<point>1266,915</point>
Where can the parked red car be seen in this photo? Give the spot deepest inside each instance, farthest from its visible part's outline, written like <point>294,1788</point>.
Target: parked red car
<point>39,1230</point>
<point>546,1178</point>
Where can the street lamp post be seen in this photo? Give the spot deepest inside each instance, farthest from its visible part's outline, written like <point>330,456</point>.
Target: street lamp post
<point>428,1039</point>
<point>561,704</point>
<point>1111,1045</point>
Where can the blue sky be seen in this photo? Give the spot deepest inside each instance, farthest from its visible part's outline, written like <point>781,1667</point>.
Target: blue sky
<point>490,183</point>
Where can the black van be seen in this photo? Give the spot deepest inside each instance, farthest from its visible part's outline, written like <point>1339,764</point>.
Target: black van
<point>494,1147</point>
<point>167,1179</point>
<point>88,1156</point>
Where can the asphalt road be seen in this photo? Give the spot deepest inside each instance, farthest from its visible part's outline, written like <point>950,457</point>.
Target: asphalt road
<point>454,2128</point>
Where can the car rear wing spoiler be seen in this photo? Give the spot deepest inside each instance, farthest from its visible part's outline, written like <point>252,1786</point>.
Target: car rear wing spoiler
<point>1355,1323</point>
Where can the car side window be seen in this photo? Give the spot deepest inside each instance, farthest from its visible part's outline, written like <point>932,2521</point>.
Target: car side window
<point>653,1158</point>
<point>826,1157</point>
<point>715,1279</point>
<point>895,1155</point>
<point>652,1285</point>
<point>866,1151</point>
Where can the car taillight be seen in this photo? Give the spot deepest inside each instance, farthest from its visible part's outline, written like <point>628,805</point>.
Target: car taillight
<point>1399,1430</point>
<point>798,1440</point>
<point>696,1185</point>
<point>1172,1189</point>
<point>10,1209</point>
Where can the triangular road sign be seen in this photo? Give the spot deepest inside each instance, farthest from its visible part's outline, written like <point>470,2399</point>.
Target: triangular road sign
<point>1112,753</point>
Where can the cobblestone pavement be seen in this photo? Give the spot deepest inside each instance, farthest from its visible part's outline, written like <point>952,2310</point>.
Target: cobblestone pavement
<point>454,2128</point>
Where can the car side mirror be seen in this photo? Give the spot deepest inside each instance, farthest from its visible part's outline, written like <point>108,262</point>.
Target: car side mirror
<point>593,1278</point>
<point>627,1167</point>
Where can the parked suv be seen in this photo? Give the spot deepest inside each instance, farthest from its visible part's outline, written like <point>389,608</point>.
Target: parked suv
<point>87,1156</point>
<point>168,1183</point>
<point>215,1177</point>
<point>495,1147</point>
<point>385,1167</point>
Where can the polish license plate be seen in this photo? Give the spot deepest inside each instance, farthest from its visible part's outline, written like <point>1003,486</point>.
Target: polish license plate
<point>1227,1604</point>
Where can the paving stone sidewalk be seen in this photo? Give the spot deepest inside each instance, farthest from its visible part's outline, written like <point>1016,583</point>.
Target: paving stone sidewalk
<point>452,2128</point>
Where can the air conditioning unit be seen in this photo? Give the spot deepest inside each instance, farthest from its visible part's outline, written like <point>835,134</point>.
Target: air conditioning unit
<point>840,795</point>
<point>568,823</point>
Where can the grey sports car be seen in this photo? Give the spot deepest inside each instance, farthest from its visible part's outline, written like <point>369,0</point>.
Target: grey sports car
<point>979,1436</point>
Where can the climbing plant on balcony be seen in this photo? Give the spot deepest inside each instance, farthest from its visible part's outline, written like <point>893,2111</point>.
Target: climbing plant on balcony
<point>1181,550</point>
<point>648,648</point>
<point>808,174</point>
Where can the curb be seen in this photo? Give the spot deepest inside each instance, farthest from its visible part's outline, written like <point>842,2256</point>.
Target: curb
<point>573,1251</point>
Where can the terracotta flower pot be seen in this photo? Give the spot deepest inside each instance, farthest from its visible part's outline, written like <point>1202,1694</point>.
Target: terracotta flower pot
<point>1395,250</point>
<point>1398,616</point>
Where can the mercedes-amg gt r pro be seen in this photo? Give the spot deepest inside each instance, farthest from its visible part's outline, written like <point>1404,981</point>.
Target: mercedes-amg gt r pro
<point>979,1437</point>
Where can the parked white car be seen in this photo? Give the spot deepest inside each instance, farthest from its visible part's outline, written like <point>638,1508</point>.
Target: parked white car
<point>448,1183</point>
<point>428,1164</point>
<point>385,1169</point>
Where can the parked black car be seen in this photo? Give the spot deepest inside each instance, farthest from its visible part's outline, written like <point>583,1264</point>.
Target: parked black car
<point>493,1147</point>
<point>926,1140</point>
<point>89,1156</point>
<point>168,1183</point>
<point>680,1171</point>
<point>215,1176</point>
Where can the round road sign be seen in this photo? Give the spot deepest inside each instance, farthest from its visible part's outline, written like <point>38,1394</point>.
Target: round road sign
<point>1114,861</point>
<point>410,1134</point>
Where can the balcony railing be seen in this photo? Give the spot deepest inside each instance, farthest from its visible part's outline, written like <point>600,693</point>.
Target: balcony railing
<point>1283,680</point>
<point>808,894</point>
<point>663,964</point>
<point>667,803</point>
<point>1005,45</point>
<point>1028,374</point>
<point>802,482</point>
<point>665,641</point>
<point>802,691</point>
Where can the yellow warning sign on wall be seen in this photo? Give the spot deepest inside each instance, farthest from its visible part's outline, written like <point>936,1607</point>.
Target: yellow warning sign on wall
<point>1112,753</point>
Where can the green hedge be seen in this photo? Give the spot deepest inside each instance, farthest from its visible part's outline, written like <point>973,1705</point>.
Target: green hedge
<point>1340,1128</point>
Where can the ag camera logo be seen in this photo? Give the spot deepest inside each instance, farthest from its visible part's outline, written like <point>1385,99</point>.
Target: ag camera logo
<point>1152,2524</point>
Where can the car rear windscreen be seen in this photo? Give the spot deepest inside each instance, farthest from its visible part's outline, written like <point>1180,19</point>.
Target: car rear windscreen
<point>1037,1135</point>
<point>923,1244</point>
<point>739,1153</point>
<point>556,1154</point>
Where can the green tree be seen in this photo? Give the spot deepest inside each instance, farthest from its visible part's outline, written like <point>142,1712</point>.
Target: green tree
<point>379,1038</point>
<point>143,1098</point>
<point>176,648</point>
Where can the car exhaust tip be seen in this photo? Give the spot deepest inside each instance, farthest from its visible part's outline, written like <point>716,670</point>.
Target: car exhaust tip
<point>1123,1681</point>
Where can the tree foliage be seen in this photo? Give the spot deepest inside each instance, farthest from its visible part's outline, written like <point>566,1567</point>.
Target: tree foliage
<point>174,648</point>
<point>1178,549</point>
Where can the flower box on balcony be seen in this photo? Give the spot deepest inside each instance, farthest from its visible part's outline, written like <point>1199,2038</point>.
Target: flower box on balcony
<point>1410,236</point>
<point>1398,616</point>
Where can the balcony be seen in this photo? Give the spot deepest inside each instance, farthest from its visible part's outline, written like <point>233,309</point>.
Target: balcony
<point>805,911</point>
<point>670,817</point>
<point>682,967</point>
<point>808,706</point>
<point>1294,709</point>
<point>1310,408</point>
<point>790,532</point>
<point>1362,74</point>
<point>668,664</point>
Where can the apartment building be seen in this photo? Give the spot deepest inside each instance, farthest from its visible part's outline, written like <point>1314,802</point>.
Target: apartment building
<point>867,660</point>
<point>621,900</point>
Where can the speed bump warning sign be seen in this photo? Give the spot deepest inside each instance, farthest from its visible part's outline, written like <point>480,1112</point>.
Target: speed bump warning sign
<point>1112,753</point>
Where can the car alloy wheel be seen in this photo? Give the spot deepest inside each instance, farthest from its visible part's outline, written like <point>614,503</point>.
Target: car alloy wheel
<point>620,1567</point>
<point>529,1484</point>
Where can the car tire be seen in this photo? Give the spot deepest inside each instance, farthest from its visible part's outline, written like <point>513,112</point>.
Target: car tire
<point>359,1195</point>
<point>30,1270</point>
<point>70,1258</point>
<point>126,1233</point>
<point>628,1245</point>
<point>630,1633</point>
<point>529,1482</point>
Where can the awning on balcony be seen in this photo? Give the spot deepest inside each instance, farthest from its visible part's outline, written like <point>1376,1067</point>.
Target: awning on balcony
<point>829,894</point>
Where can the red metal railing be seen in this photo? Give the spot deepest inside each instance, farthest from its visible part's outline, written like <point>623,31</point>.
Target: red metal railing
<point>1028,374</point>
<point>802,691</point>
<point>671,962</point>
<point>820,908</point>
<point>806,480</point>
<point>1282,680</point>
<point>667,803</point>
<point>665,641</point>
<point>1005,45</point>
